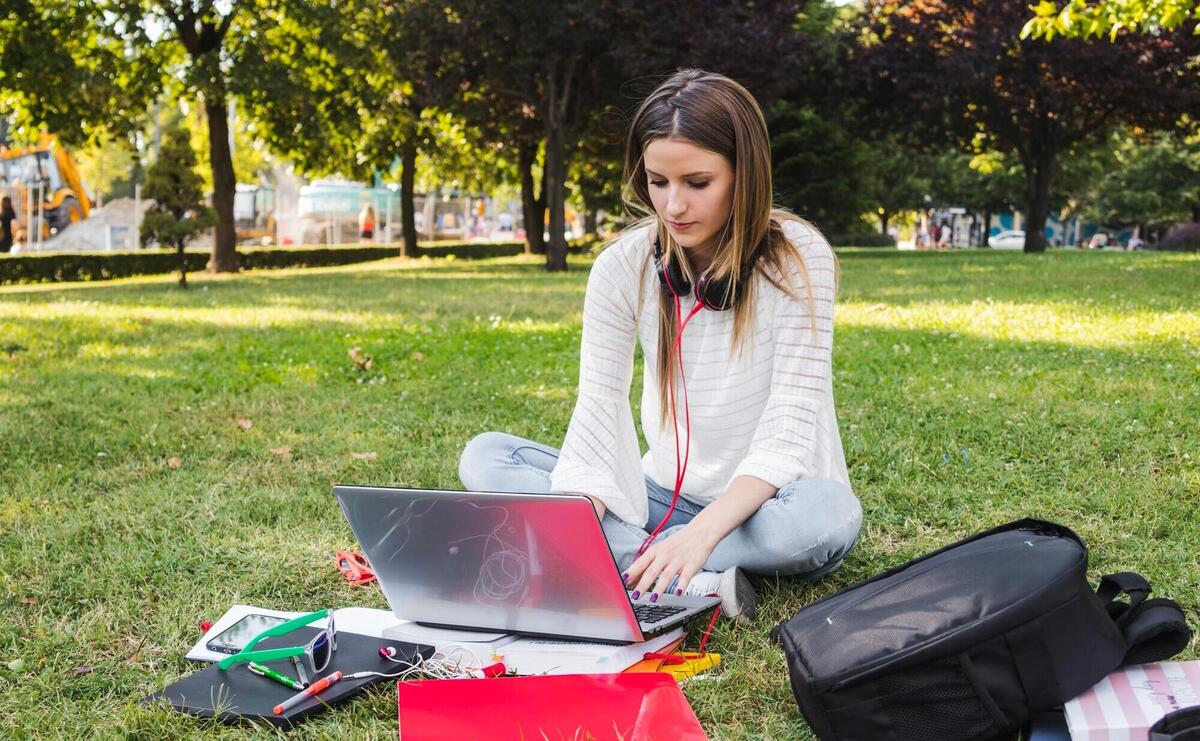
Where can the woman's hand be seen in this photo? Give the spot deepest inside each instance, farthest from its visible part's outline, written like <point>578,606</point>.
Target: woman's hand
<point>681,555</point>
<point>687,549</point>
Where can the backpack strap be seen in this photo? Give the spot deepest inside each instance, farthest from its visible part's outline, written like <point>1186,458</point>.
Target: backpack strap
<point>1154,629</point>
<point>1181,725</point>
<point>1114,585</point>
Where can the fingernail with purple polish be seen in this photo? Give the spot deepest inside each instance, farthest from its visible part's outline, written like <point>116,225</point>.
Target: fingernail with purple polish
<point>678,592</point>
<point>654,597</point>
<point>625,576</point>
<point>636,594</point>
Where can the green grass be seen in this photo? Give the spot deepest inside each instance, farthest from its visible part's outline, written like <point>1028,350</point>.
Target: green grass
<point>972,388</point>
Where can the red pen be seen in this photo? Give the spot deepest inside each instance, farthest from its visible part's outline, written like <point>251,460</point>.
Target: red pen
<point>318,686</point>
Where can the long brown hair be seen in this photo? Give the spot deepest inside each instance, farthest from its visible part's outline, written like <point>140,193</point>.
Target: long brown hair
<point>714,113</point>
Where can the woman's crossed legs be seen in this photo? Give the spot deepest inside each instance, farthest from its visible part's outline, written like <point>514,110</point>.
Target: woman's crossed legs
<point>804,530</point>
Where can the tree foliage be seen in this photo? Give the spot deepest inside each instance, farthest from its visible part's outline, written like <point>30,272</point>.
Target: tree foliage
<point>1084,19</point>
<point>1154,182</point>
<point>820,171</point>
<point>64,71</point>
<point>108,167</point>
<point>178,213</point>
<point>563,64</point>
<point>960,70</point>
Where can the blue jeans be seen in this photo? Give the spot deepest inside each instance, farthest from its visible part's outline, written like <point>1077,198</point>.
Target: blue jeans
<point>804,530</point>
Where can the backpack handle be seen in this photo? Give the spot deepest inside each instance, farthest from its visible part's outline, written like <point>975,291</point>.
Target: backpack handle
<point>1154,629</point>
<point>1114,585</point>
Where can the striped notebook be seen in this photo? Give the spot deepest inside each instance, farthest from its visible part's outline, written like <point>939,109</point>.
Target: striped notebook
<point>1124,705</point>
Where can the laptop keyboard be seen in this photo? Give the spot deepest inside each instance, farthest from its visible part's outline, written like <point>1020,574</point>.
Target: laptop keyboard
<point>650,614</point>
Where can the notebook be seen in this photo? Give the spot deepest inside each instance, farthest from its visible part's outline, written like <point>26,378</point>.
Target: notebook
<point>1129,700</point>
<point>237,694</point>
<point>603,707</point>
<point>529,656</point>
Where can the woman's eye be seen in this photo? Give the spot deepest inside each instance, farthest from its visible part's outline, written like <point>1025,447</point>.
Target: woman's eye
<point>662,183</point>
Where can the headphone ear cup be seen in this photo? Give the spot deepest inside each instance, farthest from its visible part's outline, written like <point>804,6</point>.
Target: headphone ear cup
<point>713,293</point>
<point>669,275</point>
<point>679,284</point>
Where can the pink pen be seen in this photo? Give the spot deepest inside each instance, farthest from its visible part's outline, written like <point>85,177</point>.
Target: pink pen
<point>318,686</point>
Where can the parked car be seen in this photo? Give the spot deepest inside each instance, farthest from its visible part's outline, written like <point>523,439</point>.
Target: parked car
<point>1009,240</point>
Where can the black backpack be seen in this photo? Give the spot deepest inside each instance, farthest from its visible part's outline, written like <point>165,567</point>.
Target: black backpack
<point>968,642</point>
<point>1181,725</point>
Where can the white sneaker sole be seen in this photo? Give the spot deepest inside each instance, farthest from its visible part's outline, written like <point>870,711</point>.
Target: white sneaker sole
<point>738,598</point>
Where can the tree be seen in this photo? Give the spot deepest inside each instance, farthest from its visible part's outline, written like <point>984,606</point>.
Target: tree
<point>63,72</point>
<point>108,167</point>
<point>201,30</point>
<point>596,166</point>
<point>960,70</point>
<point>1083,19</point>
<point>1154,182</point>
<point>79,68</point>
<point>178,213</point>
<point>533,195</point>
<point>987,183</point>
<point>563,63</point>
<point>419,57</point>
<point>820,170</point>
<point>547,59</point>
<point>516,132</point>
<point>895,179</point>
<point>359,88</point>
<point>216,50</point>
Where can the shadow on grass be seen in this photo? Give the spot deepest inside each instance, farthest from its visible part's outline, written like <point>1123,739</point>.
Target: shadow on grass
<point>1097,280</point>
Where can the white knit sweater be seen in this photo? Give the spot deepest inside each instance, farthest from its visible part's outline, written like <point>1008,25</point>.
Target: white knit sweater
<point>766,411</point>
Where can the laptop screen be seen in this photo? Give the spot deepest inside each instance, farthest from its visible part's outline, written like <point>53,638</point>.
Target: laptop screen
<point>517,563</point>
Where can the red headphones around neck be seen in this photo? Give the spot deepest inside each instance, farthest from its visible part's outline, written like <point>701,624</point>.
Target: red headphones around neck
<point>712,292</point>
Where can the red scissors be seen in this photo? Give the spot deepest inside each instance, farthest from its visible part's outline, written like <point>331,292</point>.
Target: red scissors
<point>354,567</point>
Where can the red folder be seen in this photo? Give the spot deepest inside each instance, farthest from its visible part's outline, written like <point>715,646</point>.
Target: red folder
<point>603,707</point>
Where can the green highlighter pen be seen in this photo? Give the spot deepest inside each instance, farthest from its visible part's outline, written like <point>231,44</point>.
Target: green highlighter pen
<point>266,671</point>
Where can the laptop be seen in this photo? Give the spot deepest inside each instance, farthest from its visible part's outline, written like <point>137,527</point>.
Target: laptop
<point>533,564</point>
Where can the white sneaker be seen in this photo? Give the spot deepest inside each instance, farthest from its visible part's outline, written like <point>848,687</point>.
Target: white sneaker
<point>738,600</point>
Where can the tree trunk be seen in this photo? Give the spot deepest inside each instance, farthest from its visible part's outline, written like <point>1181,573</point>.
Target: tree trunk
<point>182,264</point>
<point>533,204</point>
<point>987,229</point>
<point>224,255</point>
<point>884,217</point>
<point>590,219</point>
<point>1039,173</point>
<point>408,217</point>
<point>554,188</point>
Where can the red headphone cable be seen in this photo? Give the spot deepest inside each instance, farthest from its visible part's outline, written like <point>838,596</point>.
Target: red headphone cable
<point>680,472</point>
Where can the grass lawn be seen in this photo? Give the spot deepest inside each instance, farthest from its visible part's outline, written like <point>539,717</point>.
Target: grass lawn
<point>166,453</point>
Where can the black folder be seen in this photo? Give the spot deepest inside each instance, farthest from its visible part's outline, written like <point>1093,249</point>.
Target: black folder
<point>237,694</point>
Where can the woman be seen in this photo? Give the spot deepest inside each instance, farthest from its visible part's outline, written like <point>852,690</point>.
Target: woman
<point>738,410</point>
<point>366,223</point>
<point>7,217</point>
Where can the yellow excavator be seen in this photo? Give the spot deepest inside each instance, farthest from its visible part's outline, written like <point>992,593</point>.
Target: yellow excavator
<point>48,170</point>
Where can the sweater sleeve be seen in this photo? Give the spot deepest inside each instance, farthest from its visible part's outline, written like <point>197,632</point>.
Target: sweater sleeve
<point>600,454</point>
<point>789,432</point>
